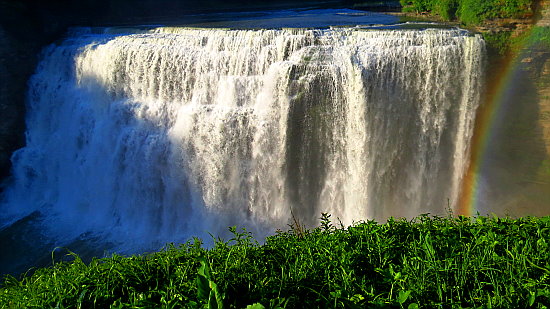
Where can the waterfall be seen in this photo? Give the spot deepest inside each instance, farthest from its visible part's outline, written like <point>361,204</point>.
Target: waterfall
<point>162,133</point>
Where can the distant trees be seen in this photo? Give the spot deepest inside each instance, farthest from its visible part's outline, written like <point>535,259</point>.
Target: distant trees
<point>471,11</point>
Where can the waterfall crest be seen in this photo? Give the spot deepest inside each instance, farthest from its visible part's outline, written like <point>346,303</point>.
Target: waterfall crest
<point>172,131</point>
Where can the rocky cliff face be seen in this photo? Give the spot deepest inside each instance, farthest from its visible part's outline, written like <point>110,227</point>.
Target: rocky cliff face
<point>20,41</point>
<point>8,111</point>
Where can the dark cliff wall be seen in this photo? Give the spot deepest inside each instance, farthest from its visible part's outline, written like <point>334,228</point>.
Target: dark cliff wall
<point>21,36</point>
<point>25,27</point>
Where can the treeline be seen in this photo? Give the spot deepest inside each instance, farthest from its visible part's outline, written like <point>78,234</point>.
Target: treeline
<point>471,11</point>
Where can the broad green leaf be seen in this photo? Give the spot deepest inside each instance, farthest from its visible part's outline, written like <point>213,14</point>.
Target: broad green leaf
<point>203,287</point>
<point>532,297</point>
<point>397,276</point>
<point>403,296</point>
<point>212,301</point>
<point>204,269</point>
<point>255,306</point>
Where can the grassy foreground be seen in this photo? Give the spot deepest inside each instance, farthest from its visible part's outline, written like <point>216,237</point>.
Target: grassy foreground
<point>424,263</point>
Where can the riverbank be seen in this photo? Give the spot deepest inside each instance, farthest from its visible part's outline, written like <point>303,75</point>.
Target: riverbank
<point>427,262</point>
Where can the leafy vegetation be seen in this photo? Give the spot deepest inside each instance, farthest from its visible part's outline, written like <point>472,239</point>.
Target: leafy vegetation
<point>503,42</point>
<point>471,12</point>
<point>424,263</point>
<point>539,38</point>
<point>500,42</point>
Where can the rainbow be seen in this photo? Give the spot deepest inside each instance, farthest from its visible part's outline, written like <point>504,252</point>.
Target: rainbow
<point>490,112</point>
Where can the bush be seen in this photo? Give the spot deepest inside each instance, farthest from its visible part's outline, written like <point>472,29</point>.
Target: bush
<point>540,38</point>
<point>447,9</point>
<point>471,12</point>
<point>417,6</point>
<point>499,42</point>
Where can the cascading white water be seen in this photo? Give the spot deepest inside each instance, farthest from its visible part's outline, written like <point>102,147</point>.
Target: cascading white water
<point>167,132</point>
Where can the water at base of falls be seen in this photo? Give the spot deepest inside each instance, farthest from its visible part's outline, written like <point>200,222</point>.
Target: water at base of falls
<point>166,133</point>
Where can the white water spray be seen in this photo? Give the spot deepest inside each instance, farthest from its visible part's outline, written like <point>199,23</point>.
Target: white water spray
<point>166,133</point>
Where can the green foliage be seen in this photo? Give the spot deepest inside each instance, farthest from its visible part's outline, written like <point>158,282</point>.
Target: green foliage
<point>417,6</point>
<point>429,262</point>
<point>471,12</point>
<point>539,38</point>
<point>500,42</point>
<point>446,9</point>
<point>503,42</point>
<point>207,290</point>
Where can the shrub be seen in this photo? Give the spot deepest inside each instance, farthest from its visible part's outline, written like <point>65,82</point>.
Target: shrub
<point>447,9</point>
<point>471,12</point>
<point>417,6</point>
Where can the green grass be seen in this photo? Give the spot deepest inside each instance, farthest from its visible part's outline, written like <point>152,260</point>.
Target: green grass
<point>424,263</point>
